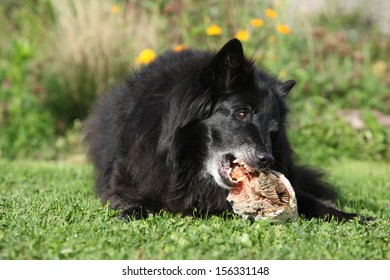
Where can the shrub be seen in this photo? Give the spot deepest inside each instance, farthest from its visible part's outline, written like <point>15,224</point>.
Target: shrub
<point>58,56</point>
<point>26,126</point>
<point>325,137</point>
<point>91,47</point>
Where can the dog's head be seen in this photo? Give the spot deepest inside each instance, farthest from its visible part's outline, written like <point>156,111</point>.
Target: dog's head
<point>247,118</point>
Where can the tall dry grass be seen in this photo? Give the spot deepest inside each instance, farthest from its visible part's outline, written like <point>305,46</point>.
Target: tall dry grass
<point>93,45</point>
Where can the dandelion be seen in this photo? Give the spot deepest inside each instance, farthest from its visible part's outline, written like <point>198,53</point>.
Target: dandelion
<point>214,30</point>
<point>283,29</point>
<point>283,74</point>
<point>270,13</point>
<point>379,68</point>
<point>272,39</point>
<point>242,35</point>
<point>115,9</point>
<point>257,22</point>
<point>146,56</point>
<point>180,48</point>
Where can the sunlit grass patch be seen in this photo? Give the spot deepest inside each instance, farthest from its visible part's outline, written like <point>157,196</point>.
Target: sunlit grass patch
<point>49,211</point>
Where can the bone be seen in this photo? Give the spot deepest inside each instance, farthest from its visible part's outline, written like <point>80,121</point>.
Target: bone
<point>268,195</point>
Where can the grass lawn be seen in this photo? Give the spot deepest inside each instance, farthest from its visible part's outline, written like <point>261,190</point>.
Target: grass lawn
<point>49,211</point>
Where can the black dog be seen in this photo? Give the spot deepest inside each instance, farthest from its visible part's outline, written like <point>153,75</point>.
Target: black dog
<point>164,139</point>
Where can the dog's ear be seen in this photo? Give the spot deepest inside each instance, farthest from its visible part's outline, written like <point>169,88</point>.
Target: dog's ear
<point>285,87</point>
<point>227,65</point>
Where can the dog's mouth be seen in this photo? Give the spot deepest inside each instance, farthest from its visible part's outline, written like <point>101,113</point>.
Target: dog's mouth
<point>234,171</point>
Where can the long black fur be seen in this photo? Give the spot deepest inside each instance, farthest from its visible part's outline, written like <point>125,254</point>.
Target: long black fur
<point>158,141</point>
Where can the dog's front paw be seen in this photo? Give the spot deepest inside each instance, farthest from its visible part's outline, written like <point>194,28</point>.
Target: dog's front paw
<point>365,220</point>
<point>346,217</point>
<point>134,213</point>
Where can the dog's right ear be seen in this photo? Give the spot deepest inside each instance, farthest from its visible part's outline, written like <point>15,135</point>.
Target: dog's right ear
<point>285,87</point>
<point>227,65</point>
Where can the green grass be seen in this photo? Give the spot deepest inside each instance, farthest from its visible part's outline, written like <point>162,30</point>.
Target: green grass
<point>49,211</point>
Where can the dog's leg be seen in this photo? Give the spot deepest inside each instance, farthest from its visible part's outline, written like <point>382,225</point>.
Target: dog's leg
<point>130,208</point>
<point>312,207</point>
<point>315,197</point>
<point>134,213</point>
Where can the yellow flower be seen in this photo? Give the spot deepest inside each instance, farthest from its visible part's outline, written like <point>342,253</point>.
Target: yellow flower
<point>379,68</point>
<point>283,28</point>
<point>257,22</point>
<point>283,74</point>
<point>271,39</point>
<point>242,35</point>
<point>214,30</point>
<point>270,13</point>
<point>115,9</point>
<point>146,56</point>
<point>180,48</point>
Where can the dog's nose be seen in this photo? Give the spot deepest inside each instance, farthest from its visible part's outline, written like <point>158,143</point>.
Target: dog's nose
<point>265,160</point>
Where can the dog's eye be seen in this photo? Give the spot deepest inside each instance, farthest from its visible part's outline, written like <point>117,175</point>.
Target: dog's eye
<point>242,115</point>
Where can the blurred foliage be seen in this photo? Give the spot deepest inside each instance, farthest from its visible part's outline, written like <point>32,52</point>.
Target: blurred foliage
<point>26,126</point>
<point>57,57</point>
<point>319,134</point>
<point>88,49</point>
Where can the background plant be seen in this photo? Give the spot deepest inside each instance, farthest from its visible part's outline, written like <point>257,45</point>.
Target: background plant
<point>26,127</point>
<point>71,51</point>
<point>90,48</point>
